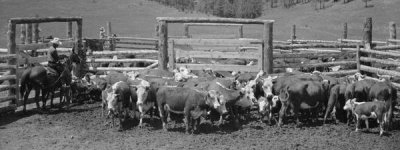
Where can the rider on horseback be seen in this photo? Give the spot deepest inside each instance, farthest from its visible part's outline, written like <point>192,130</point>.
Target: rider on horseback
<point>53,59</point>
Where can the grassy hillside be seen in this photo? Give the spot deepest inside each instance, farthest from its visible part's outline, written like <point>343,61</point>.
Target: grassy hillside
<point>137,18</point>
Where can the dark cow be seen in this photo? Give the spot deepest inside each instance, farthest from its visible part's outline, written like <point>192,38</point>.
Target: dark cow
<point>336,102</point>
<point>365,110</point>
<point>385,91</point>
<point>190,102</point>
<point>301,95</point>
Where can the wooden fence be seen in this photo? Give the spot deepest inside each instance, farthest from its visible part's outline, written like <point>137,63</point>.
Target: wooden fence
<point>18,56</point>
<point>216,49</point>
<point>238,26</point>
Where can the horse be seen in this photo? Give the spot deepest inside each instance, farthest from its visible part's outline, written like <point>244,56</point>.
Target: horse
<point>36,78</point>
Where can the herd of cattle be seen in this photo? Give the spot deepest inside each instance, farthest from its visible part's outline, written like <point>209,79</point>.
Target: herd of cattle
<point>198,94</point>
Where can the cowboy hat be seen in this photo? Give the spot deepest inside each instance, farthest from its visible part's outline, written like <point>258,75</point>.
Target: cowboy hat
<point>56,41</point>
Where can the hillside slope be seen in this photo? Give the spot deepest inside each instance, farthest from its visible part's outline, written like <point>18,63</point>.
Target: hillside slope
<point>137,18</point>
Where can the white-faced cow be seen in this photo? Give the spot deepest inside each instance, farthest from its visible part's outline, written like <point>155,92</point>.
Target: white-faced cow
<point>187,101</point>
<point>384,91</point>
<point>119,101</point>
<point>365,110</point>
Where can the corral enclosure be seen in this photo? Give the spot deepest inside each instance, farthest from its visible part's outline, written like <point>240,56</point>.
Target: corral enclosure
<point>81,127</point>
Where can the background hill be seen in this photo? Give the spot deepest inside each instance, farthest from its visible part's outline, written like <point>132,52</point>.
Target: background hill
<point>137,18</point>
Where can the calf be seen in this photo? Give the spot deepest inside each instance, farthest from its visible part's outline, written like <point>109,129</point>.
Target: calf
<point>267,107</point>
<point>190,102</point>
<point>365,110</point>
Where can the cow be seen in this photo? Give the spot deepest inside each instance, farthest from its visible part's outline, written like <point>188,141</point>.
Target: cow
<point>365,110</point>
<point>359,90</point>
<point>119,101</point>
<point>187,101</point>
<point>385,91</point>
<point>268,107</point>
<point>301,95</point>
<point>336,102</point>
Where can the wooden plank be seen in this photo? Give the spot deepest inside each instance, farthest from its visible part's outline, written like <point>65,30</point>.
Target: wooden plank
<point>124,52</point>
<point>152,66</point>
<point>8,77</point>
<point>8,56</point>
<point>4,66</point>
<point>171,55</point>
<point>380,53</point>
<point>317,50</point>
<point>360,41</point>
<point>97,60</point>
<point>393,40</point>
<point>325,64</point>
<point>212,36</point>
<point>220,67</point>
<point>389,47</point>
<point>116,68</point>
<point>313,41</point>
<point>382,61</point>
<point>230,42</point>
<point>202,54</point>
<point>135,38</point>
<point>213,24</point>
<point>136,47</point>
<point>211,20</point>
<point>307,55</point>
<point>219,48</point>
<point>36,46</point>
<point>7,87</point>
<point>43,20</point>
<point>152,43</point>
<point>32,60</point>
<point>8,98</point>
<point>340,72</point>
<point>315,45</point>
<point>380,71</point>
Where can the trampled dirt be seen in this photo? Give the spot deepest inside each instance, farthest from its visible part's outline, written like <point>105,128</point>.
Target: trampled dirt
<point>82,127</point>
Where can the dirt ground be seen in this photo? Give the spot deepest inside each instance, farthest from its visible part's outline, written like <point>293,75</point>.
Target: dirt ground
<point>82,127</point>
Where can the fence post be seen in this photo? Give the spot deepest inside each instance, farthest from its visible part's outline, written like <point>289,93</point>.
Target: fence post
<point>186,32</point>
<point>23,33</point>
<point>109,29</point>
<point>392,32</point>
<point>81,52</point>
<point>36,32</point>
<point>12,49</point>
<point>358,58</point>
<point>367,42</point>
<point>268,47</point>
<point>110,36</point>
<point>162,45</point>
<point>241,31</point>
<point>344,34</point>
<point>69,30</point>
<point>293,33</point>
<point>28,33</point>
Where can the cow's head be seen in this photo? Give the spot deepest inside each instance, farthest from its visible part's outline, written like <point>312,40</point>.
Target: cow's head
<point>216,101</point>
<point>249,90</point>
<point>349,104</point>
<point>268,85</point>
<point>114,103</point>
<point>384,78</point>
<point>358,76</point>
<point>142,91</point>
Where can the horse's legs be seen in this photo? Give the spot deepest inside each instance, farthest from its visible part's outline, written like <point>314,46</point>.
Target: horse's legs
<point>26,96</point>
<point>51,100</point>
<point>37,97</point>
<point>45,95</point>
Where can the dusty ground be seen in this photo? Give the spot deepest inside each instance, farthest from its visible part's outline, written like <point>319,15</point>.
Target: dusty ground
<point>82,127</point>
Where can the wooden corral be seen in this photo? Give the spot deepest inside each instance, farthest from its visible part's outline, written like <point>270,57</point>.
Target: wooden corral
<point>17,53</point>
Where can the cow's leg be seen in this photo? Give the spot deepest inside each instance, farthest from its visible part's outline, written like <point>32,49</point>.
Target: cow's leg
<point>390,117</point>
<point>282,113</point>
<point>45,95</point>
<point>221,120</point>
<point>162,116</point>
<point>187,122</point>
<point>328,110</point>
<point>357,123</point>
<point>349,117</point>
<point>367,124</point>
<point>51,100</point>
